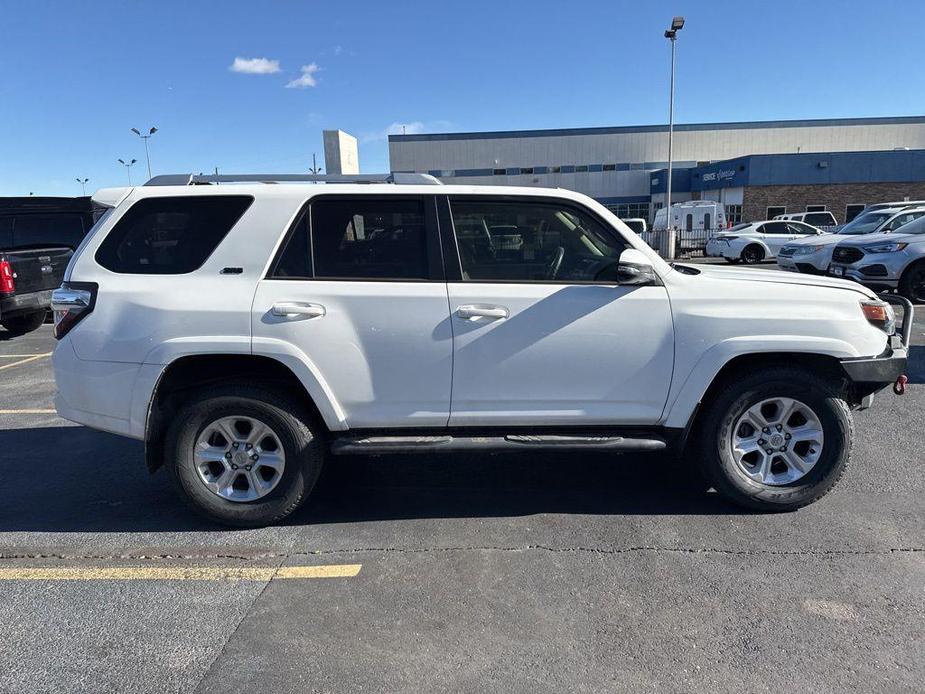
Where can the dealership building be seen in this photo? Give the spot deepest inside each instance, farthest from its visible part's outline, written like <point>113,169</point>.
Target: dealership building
<point>756,169</point>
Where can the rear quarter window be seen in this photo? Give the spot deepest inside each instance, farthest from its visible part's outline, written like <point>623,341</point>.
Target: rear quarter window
<point>170,235</point>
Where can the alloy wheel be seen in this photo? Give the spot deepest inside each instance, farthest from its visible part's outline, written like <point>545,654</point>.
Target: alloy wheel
<point>239,458</point>
<point>776,441</point>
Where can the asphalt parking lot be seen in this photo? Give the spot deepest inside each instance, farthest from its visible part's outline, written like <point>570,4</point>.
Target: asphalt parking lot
<point>502,573</point>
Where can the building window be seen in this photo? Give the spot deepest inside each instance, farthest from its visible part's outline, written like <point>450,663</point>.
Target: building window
<point>555,169</point>
<point>610,167</point>
<point>852,211</point>
<point>815,208</point>
<point>498,172</point>
<point>774,211</point>
<point>581,168</point>
<point>630,210</point>
<point>733,214</point>
<point>526,170</point>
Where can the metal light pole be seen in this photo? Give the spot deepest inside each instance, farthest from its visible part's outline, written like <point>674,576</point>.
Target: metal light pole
<point>128,168</point>
<point>83,184</point>
<point>146,137</point>
<point>677,23</point>
<point>315,170</point>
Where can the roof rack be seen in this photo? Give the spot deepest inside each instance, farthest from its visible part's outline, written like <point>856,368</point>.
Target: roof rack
<point>198,179</point>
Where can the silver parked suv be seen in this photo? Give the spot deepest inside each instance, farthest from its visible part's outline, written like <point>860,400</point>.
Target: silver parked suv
<point>892,261</point>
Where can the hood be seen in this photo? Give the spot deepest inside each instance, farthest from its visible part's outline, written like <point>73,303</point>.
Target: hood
<point>865,239</point>
<point>781,277</point>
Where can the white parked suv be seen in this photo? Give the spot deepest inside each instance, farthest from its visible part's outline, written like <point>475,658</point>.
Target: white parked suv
<point>813,254</point>
<point>753,242</point>
<point>816,219</point>
<point>249,332</point>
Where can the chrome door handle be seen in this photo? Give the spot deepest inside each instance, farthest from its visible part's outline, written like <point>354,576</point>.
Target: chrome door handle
<point>285,309</point>
<point>475,311</point>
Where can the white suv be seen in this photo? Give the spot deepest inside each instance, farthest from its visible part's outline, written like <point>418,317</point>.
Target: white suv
<point>248,332</point>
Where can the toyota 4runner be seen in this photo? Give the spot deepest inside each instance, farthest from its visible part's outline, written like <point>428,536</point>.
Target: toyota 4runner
<point>248,332</point>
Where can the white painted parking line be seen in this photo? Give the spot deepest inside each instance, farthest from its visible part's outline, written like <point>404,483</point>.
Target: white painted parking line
<point>25,361</point>
<point>28,412</point>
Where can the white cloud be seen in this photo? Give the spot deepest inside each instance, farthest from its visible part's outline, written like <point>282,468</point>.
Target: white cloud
<point>306,79</point>
<point>254,66</point>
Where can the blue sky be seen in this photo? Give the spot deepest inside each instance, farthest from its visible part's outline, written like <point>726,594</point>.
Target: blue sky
<point>77,76</point>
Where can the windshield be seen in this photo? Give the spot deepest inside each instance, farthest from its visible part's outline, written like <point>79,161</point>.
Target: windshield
<point>865,223</point>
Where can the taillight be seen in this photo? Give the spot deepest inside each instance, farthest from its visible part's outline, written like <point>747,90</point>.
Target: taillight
<point>7,285</point>
<point>881,314</point>
<point>71,303</point>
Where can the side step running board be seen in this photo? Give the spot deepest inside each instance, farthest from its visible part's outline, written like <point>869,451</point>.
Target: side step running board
<point>428,444</point>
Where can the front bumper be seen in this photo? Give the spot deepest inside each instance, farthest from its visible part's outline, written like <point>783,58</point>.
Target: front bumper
<point>870,374</point>
<point>874,269</point>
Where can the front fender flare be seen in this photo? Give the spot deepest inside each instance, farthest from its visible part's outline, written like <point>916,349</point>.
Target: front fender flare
<point>687,394</point>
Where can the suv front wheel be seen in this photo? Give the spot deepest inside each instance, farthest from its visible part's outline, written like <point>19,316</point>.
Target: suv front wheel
<point>776,439</point>
<point>243,456</point>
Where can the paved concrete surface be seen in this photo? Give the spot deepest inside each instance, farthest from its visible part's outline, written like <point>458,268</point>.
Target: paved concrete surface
<point>502,573</point>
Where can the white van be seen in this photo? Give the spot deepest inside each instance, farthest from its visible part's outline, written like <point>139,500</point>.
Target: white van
<point>693,215</point>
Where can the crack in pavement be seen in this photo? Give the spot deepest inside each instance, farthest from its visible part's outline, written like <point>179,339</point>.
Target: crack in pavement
<point>271,556</point>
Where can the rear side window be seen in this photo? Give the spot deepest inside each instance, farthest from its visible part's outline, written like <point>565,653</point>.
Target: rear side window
<point>820,219</point>
<point>170,236</point>
<point>775,228</point>
<point>46,230</point>
<point>358,238</point>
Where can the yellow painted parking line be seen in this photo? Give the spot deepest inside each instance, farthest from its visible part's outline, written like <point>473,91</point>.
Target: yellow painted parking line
<point>24,361</point>
<point>28,411</point>
<point>189,573</point>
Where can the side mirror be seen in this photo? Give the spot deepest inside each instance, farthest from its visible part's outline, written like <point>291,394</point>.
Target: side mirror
<point>634,268</point>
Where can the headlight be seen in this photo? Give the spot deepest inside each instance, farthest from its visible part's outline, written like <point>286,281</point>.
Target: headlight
<point>806,250</point>
<point>885,247</point>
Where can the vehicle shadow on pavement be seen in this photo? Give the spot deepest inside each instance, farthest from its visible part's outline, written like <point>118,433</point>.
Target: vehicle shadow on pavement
<point>915,369</point>
<point>74,479</point>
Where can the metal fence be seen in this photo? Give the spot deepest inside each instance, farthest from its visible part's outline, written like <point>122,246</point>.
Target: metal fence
<point>688,244</point>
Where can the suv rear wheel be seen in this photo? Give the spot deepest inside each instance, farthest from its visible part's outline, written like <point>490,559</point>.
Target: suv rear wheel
<point>243,456</point>
<point>776,439</point>
<point>24,323</point>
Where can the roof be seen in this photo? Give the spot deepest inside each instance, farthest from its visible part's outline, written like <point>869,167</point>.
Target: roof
<point>662,127</point>
<point>32,203</point>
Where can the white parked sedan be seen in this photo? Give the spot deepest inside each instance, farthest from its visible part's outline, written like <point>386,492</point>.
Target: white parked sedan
<point>756,241</point>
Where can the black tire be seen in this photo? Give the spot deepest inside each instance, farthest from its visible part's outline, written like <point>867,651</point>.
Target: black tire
<point>290,421</point>
<point>714,438</point>
<point>752,254</point>
<point>24,322</point>
<point>912,283</point>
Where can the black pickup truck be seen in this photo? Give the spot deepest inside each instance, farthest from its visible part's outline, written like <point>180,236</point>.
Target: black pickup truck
<point>37,239</point>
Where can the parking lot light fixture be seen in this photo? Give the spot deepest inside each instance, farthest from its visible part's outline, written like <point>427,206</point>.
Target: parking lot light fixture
<point>128,168</point>
<point>83,184</point>
<point>677,23</point>
<point>146,136</point>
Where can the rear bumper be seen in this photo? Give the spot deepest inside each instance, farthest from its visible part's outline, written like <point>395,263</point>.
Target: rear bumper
<point>12,304</point>
<point>96,394</point>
